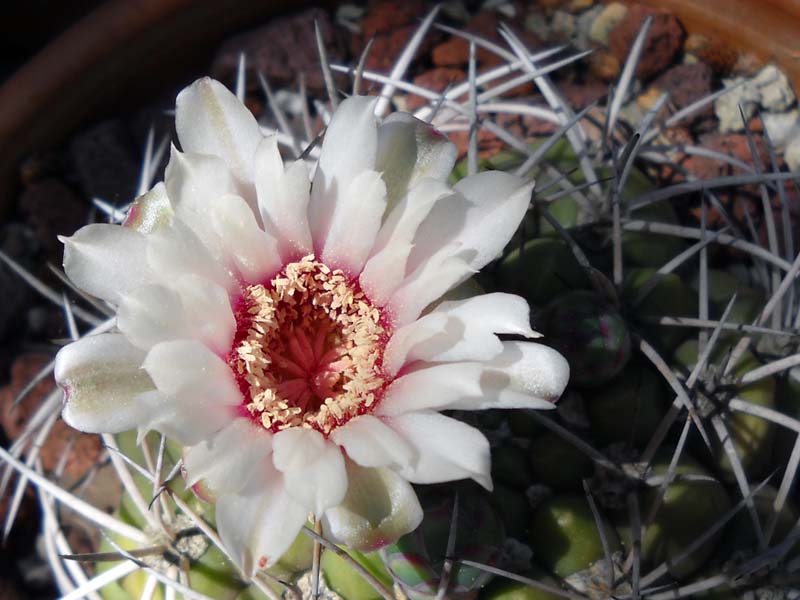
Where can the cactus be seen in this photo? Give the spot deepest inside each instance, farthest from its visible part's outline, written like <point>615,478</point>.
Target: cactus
<point>650,481</point>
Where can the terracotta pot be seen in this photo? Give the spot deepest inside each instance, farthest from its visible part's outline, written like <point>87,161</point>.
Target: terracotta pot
<point>766,28</point>
<point>113,57</point>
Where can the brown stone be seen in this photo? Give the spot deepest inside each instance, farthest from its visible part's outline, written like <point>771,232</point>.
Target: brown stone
<point>387,47</point>
<point>686,84</point>
<point>663,42</point>
<point>604,65</point>
<point>435,80</point>
<point>488,143</point>
<point>721,57</point>
<point>581,95</point>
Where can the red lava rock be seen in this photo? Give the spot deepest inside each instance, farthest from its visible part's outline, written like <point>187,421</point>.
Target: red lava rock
<point>455,51</point>
<point>687,84</point>
<point>24,368</point>
<point>663,41</point>
<point>488,143</point>
<point>50,208</point>
<point>384,17</point>
<point>387,47</point>
<point>84,449</point>
<point>281,49</point>
<point>436,80</point>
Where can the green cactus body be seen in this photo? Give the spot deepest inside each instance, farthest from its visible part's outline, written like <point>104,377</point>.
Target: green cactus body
<point>540,270</point>
<point>671,297</point>
<point>564,535</point>
<point>343,579</point>
<point>629,407</point>
<point>510,466</point>
<point>689,507</point>
<point>504,589</point>
<point>558,464</point>
<point>416,560</point>
<point>590,333</point>
<point>752,436</point>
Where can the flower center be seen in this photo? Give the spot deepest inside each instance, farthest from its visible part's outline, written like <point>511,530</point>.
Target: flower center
<point>308,350</point>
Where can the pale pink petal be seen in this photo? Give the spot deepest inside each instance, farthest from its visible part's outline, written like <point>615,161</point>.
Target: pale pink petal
<point>408,151</point>
<point>200,385</point>
<point>313,468</point>
<point>370,443</point>
<point>481,221</point>
<point>425,331</point>
<point>227,461</point>
<point>379,508</point>
<point>431,387</point>
<point>150,211</point>
<point>429,282</point>
<point>283,196</point>
<point>107,261</point>
<point>103,380</point>
<point>355,223</point>
<point>386,267</point>
<point>448,449</point>
<point>177,250</point>
<point>259,523</point>
<point>253,252</point>
<point>349,149</point>
<point>209,119</point>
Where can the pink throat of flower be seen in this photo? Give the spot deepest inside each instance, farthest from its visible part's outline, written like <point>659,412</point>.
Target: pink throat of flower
<point>308,350</point>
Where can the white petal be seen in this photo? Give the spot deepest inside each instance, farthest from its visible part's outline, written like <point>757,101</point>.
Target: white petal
<point>107,260</point>
<point>150,211</point>
<point>459,330</point>
<point>252,252</point>
<point>103,380</point>
<point>283,195</point>
<point>524,375</point>
<point>195,182</point>
<point>370,443</point>
<point>448,449</point>
<point>201,385</point>
<point>207,309</point>
<point>379,508</point>
<point>151,314</point>
<point>313,468</point>
<point>259,523</point>
<point>481,222</point>
<point>348,150</point>
<point>386,267</point>
<point>193,308</point>
<point>431,388</point>
<point>430,281</point>
<point>227,461</point>
<point>409,150</point>
<point>210,120</point>
<point>355,223</point>
<point>176,251</point>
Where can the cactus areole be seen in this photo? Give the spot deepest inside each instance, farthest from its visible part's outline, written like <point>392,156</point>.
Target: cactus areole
<point>288,330</point>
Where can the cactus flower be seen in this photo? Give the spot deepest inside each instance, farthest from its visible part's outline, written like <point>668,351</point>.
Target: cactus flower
<point>271,318</point>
